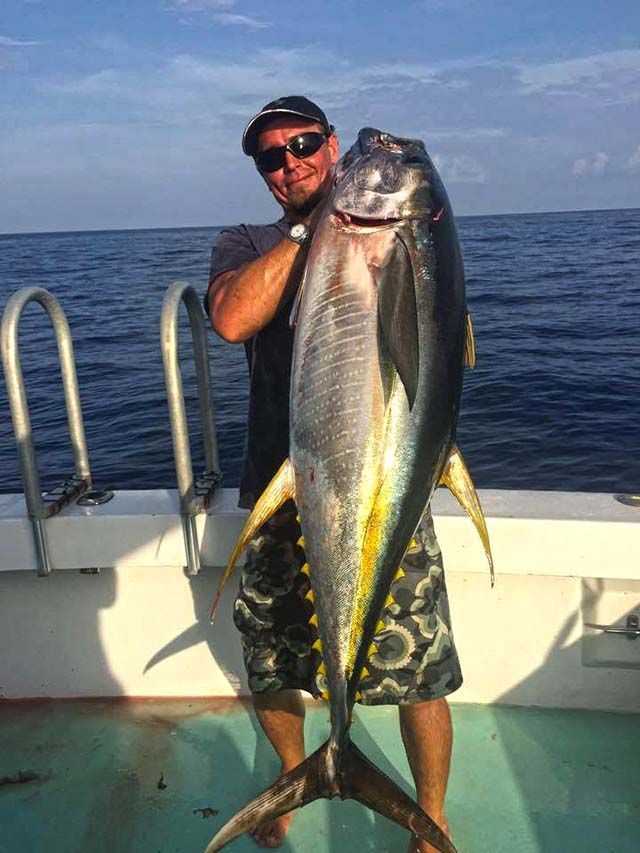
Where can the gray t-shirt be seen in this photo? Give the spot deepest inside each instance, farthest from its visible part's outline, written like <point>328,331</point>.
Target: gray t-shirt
<point>269,359</point>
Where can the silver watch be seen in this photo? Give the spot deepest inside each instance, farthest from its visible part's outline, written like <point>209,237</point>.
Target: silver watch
<point>299,233</point>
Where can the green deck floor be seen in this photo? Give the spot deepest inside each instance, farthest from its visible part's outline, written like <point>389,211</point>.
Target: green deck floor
<point>158,777</point>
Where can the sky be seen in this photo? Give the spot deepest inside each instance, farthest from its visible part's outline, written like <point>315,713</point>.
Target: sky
<point>129,113</point>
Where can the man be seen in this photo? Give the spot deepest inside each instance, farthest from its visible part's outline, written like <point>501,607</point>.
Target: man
<point>255,271</point>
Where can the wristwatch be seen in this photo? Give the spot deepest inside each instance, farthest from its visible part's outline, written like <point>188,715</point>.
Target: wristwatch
<point>299,233</point>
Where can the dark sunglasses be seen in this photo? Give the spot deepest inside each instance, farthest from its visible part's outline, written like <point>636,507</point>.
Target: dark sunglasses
<point>300,146</point>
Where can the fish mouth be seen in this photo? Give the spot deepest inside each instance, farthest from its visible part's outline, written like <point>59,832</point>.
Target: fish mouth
<point>350,221</point>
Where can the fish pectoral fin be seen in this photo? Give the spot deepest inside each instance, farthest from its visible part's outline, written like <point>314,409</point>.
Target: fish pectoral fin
<point>457,479</point>
<point>278,492</point>
<point>398,317</point>
<point>469,343</point>
<point>361,780</point>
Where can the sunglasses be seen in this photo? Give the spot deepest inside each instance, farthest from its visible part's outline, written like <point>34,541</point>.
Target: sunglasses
<point>300,146</point>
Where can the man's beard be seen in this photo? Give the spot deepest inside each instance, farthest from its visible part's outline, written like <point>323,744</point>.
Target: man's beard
<point>303,207</point>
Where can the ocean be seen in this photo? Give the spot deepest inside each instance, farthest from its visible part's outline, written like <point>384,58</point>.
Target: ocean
<point>554,402</point>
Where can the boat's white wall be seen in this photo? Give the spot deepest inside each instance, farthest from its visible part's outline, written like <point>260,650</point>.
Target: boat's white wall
<point>142,628</point>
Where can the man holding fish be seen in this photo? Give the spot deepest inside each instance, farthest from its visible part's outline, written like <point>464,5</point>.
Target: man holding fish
<point>255,274</point>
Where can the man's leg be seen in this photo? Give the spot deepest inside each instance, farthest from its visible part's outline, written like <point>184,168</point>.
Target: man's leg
<point>416,663</point>
<point>281,715</point>
<point>427,736</point>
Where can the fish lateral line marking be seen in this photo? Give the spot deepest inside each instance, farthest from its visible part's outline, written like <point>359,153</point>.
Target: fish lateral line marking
<point>325,391</point>
<point>339,336</point>
<point>320,307</point>
<point>355,358</point>
<point>378,509</point>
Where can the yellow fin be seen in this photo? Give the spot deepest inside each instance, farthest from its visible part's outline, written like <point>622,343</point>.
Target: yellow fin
<point>457,479</point>
<point>389,601</point>
<point>278,492</point>
<point>310,596</point>
<point>400,574</point>
<point>322,670</point>
<point>469,343</point>
<point>318,644</point>
<point>300,542</point>
<point>358,696</point>
<point>305,569</point>
<point>314,621</point>
<point>380,627</point>
<point>373,650</point>
<point>364,673</point>
<point>325,695</point>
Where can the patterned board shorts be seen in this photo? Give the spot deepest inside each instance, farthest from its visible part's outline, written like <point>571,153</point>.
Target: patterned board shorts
<point>416,659</point>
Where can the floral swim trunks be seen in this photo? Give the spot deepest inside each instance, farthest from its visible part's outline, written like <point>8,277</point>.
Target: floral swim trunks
<point>416,658</point>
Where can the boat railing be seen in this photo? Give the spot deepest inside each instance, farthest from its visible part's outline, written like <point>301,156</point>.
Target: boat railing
<point>195,494</point>
<point>42,506</point>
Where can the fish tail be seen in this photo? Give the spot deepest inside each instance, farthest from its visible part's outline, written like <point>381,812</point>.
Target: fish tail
<point>361,780</point>
<point>308,781</point>
<point>316,778</point>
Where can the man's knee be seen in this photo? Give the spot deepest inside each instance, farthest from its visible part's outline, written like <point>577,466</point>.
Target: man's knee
<point>279,700</point>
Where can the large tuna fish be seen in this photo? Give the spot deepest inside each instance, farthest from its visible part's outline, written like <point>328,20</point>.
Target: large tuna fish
<point>381,339</point>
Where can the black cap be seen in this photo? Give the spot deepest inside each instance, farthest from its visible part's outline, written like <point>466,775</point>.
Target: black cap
<point>293,105</point>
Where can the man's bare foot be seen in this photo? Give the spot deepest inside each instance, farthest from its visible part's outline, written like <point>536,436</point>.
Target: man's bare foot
<point>272,833</point>
<point>418,846</point>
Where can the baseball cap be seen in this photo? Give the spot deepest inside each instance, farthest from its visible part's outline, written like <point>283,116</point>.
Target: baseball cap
<point>294,105</point>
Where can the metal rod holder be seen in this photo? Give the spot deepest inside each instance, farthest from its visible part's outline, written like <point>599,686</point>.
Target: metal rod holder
<point>41,507</point>
<point>194,494</point>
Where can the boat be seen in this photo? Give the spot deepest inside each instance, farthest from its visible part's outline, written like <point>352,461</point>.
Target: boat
<point>124,720</point>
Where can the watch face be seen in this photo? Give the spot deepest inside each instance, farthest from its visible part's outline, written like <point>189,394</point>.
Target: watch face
<point>298,232</point>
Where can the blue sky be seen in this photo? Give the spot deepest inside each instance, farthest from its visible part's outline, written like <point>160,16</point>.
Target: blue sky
<point>129,114</point>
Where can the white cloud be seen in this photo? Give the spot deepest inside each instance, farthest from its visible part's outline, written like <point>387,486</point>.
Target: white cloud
<point>202,5</point>
<point>460,169</point>
<point>611,74</point>
<point>222,12</point>
<point>5,41</point>
<point>464,134</point>
<point>230,19</point>
<point>633,163</point>
<point>591,166</point>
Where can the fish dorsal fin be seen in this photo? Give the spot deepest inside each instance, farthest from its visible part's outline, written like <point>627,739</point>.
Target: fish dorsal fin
<point>278,492</point>
<point>398,317</point>
<point>469,343</point>
<point>457,479</point>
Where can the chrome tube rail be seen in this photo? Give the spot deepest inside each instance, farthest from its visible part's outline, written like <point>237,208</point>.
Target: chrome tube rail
<point>195,494</point>
<point>39,506</point>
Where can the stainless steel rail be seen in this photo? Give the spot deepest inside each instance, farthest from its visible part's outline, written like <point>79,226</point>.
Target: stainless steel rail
<point>631,630</point>
<point>41,507</point>
<point>194,494</point>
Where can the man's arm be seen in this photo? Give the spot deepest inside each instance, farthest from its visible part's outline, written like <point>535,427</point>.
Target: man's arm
<point>243,301</point>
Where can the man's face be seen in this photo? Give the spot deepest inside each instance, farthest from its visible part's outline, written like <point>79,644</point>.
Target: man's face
<point>299,184</point>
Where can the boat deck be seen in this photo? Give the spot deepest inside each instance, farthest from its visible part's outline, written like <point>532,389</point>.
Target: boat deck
<point>162,776</point>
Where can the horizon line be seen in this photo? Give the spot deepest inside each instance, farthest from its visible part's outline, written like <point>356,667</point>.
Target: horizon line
<point>227,225</point>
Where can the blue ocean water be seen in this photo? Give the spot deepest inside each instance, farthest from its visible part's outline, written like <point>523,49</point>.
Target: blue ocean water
<point>554,402</point>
